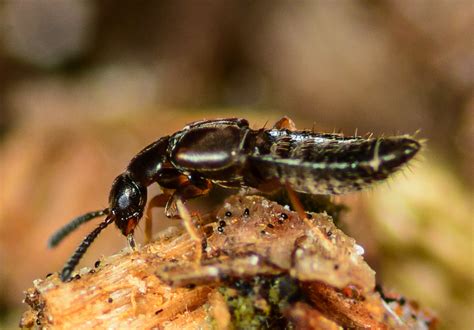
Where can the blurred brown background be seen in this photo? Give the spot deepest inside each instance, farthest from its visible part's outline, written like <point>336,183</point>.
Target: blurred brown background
<point>86,84</point>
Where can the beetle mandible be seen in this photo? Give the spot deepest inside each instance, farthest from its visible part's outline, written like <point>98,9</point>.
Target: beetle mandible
<point>227,152</point>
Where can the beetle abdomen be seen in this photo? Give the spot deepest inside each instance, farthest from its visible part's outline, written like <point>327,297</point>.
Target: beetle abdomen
<point>327,163</point>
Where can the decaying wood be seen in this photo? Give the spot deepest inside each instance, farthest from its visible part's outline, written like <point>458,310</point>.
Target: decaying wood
<point>166,285</point>
<point>121,292</point>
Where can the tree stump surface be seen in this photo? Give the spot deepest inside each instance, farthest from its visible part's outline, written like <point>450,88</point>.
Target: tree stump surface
<point>167,284</point>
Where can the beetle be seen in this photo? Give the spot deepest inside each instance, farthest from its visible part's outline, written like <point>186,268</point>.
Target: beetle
<point>229,153</point>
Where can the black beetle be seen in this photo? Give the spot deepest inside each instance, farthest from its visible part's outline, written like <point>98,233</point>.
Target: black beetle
<point>229,153</point>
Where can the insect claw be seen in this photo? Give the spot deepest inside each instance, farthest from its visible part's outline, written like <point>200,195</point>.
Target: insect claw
<point>131,242</point>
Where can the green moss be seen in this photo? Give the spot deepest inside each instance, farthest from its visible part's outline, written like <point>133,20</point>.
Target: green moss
<point>259,303</point>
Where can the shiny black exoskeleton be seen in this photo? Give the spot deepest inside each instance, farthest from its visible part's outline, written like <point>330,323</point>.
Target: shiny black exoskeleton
<point>229,153</point>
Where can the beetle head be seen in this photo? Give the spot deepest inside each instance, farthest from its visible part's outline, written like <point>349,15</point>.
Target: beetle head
<point>127,200</point>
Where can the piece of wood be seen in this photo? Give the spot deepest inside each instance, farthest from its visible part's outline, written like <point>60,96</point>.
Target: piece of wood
<point>162,286</point>
<point>122,292</point>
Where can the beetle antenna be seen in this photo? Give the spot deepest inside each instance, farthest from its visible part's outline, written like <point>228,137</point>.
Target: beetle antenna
<point>82,248</point>
<point>58,236</point>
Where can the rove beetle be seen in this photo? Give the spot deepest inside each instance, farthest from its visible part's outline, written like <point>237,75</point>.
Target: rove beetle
<point>227,152</point>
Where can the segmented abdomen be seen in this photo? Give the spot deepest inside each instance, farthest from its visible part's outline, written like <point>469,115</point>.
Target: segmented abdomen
<point>328,163</point>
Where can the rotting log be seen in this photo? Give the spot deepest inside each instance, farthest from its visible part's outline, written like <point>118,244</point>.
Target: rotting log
<point>250,239</point>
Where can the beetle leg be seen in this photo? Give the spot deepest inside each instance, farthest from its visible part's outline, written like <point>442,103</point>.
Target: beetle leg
<point>157,201</point>
<point>298,206</point>
<point>194,187</point>
<point>186,186</point>
<point>295,201</point>
<point>189,189</point>
<point>186,191</point>
<point>191,228</point>
<point>170,207</point>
